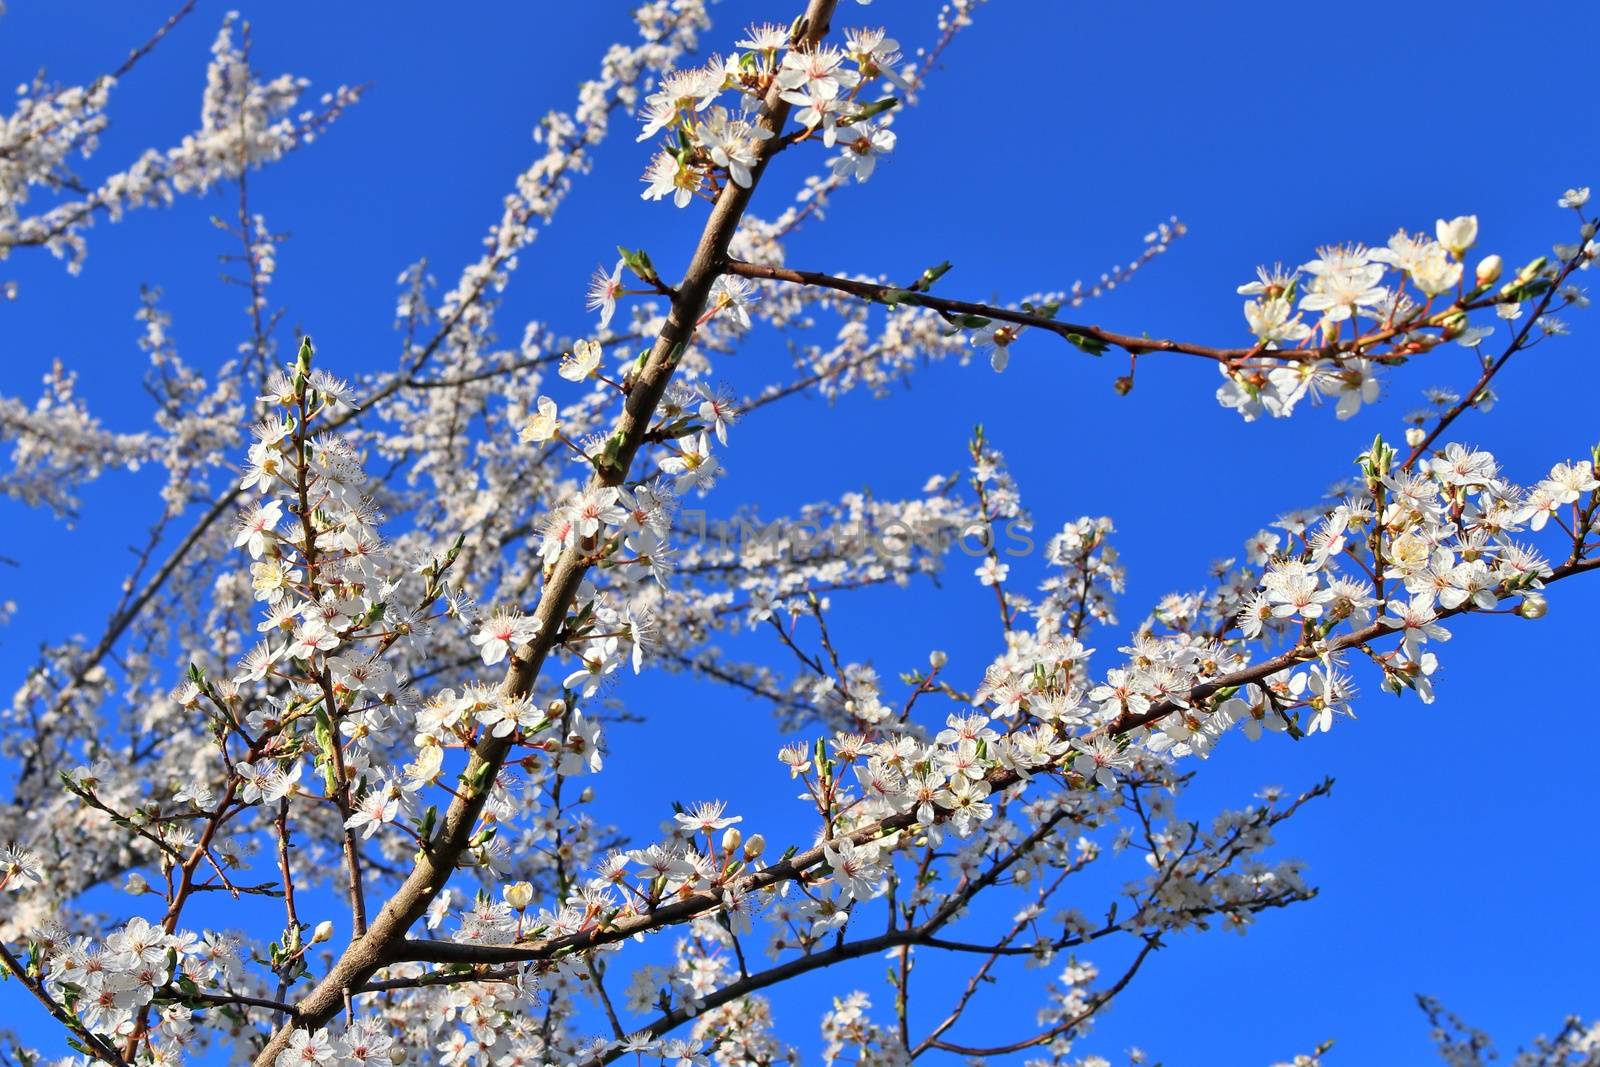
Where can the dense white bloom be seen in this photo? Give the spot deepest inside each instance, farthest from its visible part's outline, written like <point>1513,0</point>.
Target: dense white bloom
<point>294,717</point>
<point>503,632</point>
<point>856,868</point>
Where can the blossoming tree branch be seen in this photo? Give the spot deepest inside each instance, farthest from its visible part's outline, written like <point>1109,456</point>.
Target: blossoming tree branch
<point>356,683</point>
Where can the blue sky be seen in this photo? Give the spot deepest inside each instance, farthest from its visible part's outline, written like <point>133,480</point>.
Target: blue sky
<point>1454,856</point>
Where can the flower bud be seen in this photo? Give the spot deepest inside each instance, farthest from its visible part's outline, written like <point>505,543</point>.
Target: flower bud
<point>1458,234</point>
<point>1532,607</point>
<point>937,660</point>
<point>1415,436</point>
<point>754,847</point>
<point>518,894</point>
<point>136,885</point>
<point>323,932</point>
<point>731,838</point>
<point>1489,268</point>
<point>1454,323</point>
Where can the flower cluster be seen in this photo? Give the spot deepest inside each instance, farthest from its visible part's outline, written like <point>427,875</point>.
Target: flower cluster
<point>421,630</point>
<point>1377,307</point>
<point>713,143</point>
<point>115,980</point>
<point>245,122</point>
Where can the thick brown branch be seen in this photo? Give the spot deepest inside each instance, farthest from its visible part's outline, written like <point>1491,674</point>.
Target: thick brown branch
<point>438,859</point>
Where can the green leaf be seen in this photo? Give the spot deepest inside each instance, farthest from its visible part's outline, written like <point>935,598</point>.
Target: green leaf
<point>639,262</point>
<point>930,276</point>
<point>1092,345</point>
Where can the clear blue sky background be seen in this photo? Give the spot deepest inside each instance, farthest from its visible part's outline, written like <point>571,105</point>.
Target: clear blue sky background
<point>1456,856</point>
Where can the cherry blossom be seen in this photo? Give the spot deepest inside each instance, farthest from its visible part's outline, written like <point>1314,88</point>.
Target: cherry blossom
<point>421,845</point>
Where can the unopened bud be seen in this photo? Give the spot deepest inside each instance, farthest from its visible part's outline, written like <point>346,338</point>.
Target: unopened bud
<point>518,894</point>
<point>1532,607</point>
<point>1459,234</point>
<point>754,847</point>
<point>937,660</point>
<point>1453,324</point>
<point>323,932</point>
<point>731,838</point>
<point>1415,436</point>
<point>1489,268</point>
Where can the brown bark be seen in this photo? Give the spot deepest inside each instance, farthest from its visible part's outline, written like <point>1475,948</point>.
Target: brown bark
<point>438,860</point>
